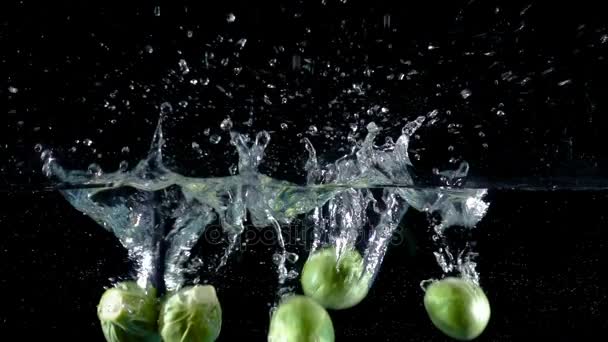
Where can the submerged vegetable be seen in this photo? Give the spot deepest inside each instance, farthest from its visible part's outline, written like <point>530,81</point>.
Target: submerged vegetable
<point>335,282</point>
<point>191,314</point>
<point>300,319</point>
<point>128,312</point>
<point>458,307</point>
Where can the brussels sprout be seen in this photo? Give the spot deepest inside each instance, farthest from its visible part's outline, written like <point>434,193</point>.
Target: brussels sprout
<point>128,312</point>
<point>458,307</point>
<point>191,314</point>
<point>336,283</point>
<point>300,319</point>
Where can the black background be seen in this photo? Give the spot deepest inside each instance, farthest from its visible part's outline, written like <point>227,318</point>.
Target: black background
<point>541,253</point>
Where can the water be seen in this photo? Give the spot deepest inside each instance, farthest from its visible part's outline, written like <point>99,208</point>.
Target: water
<point>355,202</point>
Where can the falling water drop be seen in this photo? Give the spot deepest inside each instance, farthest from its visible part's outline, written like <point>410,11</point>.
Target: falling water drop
<point>465,93</point>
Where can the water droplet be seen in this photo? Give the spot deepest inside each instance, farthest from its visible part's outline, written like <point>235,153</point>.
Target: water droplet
<point>194,81</point>
<point>500,113</point>
<point>205,81</point>
<point>291,257</point>
<point>157,11</point>
<point>230,17</point>
<point>465,93</point>
<point>38,148</point>
<point>125,150</point>
<point>226,124</point>
<point>312,130</point>
<point>195,145</point>
<point>435,171</point>
<point>241,43</point>
<point>149,49</point>
<point>189,34</point>
<point>482,134</point>
<point>215,139</point>
<point>450,148</point>
<point>95,169</point>
<point>425,284</point>
<point>12,90</point>
<point>604,39</point>
<point>123,166</point>
<point>166,108</point>
<point>206,131</point>
<point>293,274</point>
<point>564,82</point>
<point>87,142</point>
<point>233,169</point>
<point>284,126</point>
<point>183,66</point>
<point>183,104</point>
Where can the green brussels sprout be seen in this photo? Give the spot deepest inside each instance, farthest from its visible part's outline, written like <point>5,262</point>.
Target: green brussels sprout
<point>336,283</point>
<point>458,307</point>
<point>300,319</point>
<point>191,314</point>
<point>128,312</point>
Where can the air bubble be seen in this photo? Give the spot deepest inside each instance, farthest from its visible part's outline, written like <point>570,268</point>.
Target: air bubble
<point>123,166</point>
<point>226,124</point>
<point>215,139</point>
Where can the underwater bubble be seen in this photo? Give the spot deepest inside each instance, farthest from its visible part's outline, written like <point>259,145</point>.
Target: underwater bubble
<point>95,169</point>
<point>226,124</point>
<point>215,139</point>
<point>183,66</point>
<point>123,165</point>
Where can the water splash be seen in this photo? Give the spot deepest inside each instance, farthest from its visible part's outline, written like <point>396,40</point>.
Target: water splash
<point>158,215</point>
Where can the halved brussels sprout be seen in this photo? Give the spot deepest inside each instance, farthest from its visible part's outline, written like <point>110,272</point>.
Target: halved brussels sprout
<point>458,307</point>
<point>300,319</point>
<point>191,314</point>
<point>128,312</point>
<point>336,283</point>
